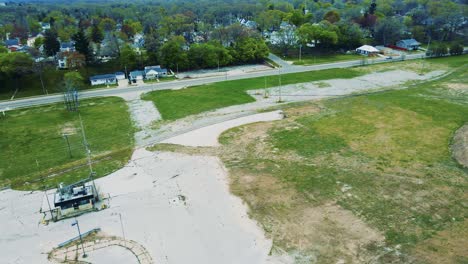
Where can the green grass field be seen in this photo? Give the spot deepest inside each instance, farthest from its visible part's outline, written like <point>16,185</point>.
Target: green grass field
<point>33,147</point>
<point>174,104</point>
<point>385,157</point>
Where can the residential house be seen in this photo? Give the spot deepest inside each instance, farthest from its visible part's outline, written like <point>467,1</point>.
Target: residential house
<point>62,61</point>
<point>105,79</point>
<point>67,46</point>
<point>409,44</point>
<point>45,26</point>
<point>120,75</point>
<point>153,72</point>
<point>134,76</point>
<point>13,44</point>
<point>31,40</point>
<point>367,50</point>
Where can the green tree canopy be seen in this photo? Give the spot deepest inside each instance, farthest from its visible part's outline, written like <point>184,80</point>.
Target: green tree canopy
<point>51,43</point>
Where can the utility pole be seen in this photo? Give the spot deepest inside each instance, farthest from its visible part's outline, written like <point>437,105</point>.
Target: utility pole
<point>265,94</point>
<point>65,136</point>
<point>88,154</point>
<point>81,239</point>
<point>121,225</point>
<point>425,56</point>
<point>300,52</point>
<point>279,78</point>
<point>50,208</point>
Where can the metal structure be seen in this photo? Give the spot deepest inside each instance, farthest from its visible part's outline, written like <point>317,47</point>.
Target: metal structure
<point>71,98</point>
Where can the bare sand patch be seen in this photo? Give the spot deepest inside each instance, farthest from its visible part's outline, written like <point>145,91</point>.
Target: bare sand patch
<point>210,226</point>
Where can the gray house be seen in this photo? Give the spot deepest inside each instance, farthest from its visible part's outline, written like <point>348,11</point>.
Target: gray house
<point>103,79</point>
<point>409,44</point>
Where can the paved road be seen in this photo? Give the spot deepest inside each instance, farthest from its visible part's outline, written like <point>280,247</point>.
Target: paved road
<point>41,100</point>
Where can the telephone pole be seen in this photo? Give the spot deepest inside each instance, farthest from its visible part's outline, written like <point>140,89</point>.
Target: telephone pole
<point>279,89</point>
<point>88,154</point>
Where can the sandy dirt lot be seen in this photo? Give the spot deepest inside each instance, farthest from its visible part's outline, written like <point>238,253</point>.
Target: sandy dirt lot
<point>178,207</point>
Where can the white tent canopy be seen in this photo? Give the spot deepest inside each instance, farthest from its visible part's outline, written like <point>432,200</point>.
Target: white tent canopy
<point>366,50</point>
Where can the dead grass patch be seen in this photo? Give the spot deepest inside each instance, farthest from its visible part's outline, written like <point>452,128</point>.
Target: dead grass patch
<point>447,246</point>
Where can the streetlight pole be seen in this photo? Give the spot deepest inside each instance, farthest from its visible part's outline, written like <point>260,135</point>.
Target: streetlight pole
<point>300,52</point>
<point>121,225</point>
<point>279,90</point>
<point>81,239</point>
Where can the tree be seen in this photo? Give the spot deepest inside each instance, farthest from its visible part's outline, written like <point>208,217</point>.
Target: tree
<point>51,44</point>
<point>250,50</point>
<point>350,35</point>
<point>388,30</point>
<point>209,55</point>
<point>128,57</point>
<point>96,34</point>
<point>75,60</point>
<point>173,55</point>
<point>82,44</point>
<point>38,42</point>
<point>332,16</point>
<point>15,65</point>
<point>128,31</point>
<point>319,35</point>
<point>286,38</point>
<point>107,24</point>
<point>3,49</point>
<point>73,79</point>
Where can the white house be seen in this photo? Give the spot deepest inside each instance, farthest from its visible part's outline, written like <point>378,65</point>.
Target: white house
<point>409,44</point>
<point>120,75</point>
<point>367,50</point>
<point>103,79</point>
<point>136,75</point>
<point>153,72</point>
<point>62,63</point>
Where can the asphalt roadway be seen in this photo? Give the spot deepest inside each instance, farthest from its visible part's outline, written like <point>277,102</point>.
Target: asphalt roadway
<point>54,98</point>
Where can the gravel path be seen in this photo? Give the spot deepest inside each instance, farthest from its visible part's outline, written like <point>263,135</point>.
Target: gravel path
<point>208,136</point>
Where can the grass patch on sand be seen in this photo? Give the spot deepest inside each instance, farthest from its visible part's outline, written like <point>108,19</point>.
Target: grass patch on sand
<point>35,154</point>
<point>385,157</point>
<point>175,104</point>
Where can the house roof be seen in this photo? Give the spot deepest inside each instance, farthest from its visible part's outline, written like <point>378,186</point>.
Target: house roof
<point>410,42</point>
<point>12,42</point>
<point>102,77</point>
<point>66,45</point>
<point>136,73</point>
<point>368,48</point>
<point>156,68</point>
<point>119,73</point>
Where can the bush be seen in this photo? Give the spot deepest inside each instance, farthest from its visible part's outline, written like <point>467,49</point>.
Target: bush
<point>456,49</point>
<point>438,50</point>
